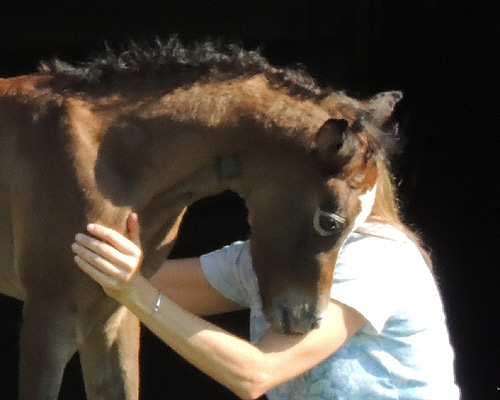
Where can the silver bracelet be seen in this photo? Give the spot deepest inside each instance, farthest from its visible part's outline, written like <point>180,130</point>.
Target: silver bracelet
<point>158,302</point>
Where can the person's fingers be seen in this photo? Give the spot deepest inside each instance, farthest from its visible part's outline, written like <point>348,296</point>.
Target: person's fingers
<point>115,239</point>
<point>106,251</point>
<point>133,229</point>
<point>101,278</point>
<point>101,264</point>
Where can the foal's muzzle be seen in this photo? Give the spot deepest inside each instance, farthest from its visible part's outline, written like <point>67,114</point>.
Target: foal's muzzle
<point>295,319</point>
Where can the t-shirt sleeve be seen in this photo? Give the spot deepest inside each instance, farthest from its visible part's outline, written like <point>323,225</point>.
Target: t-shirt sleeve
<point>229,271</point>
<point>365,275</point>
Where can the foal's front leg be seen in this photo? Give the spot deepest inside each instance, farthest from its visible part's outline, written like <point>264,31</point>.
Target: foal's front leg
<point>48,341</point>
<point>110,357</point>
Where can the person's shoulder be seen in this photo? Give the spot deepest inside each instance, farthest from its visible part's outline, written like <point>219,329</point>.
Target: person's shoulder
<point>375,237</point>
<point>379,235</point>
<point>381,231</point>
<point>232,252</point>
<point>230,272</point>
<point>377,244</point>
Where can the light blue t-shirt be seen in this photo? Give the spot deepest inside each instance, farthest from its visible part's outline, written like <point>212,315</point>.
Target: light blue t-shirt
<point>403,352</point>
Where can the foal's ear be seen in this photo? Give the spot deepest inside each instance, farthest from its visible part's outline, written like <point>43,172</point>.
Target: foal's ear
<point>329,139</point>
<point>381,106</point>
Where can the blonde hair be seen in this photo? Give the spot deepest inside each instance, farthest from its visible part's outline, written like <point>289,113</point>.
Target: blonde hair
<point>386,207</point>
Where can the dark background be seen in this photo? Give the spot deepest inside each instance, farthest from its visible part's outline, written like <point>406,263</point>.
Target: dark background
<point>442,55</point>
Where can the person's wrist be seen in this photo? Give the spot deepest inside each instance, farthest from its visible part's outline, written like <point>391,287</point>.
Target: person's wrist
<point>140,293</point>
<point>124,290</point>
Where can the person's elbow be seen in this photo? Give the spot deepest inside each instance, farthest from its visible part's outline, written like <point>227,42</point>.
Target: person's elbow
<point>254,384</point>
<point>252,387</point>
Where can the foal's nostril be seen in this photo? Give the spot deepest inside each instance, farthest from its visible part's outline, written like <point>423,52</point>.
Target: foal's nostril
<point>297,320</point>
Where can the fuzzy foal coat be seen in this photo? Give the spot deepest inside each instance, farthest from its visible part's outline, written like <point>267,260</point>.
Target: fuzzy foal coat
<point>86,144</point>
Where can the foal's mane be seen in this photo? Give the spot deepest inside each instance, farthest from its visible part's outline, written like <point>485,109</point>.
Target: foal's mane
<point>171,63</point>
<point>160,66</point>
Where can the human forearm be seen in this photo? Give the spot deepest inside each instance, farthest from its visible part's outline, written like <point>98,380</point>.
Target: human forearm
<point>183,281</point>
<point>231,361</point>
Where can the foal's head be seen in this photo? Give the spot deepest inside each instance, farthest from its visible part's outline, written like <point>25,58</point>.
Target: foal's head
<point>304,210</point>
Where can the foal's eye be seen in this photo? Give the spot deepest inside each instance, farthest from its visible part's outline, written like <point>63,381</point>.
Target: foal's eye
<point>327,223</point>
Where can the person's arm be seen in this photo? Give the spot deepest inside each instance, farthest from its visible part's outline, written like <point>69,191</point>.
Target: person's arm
<point>247,370</point>
<point>184,282</point>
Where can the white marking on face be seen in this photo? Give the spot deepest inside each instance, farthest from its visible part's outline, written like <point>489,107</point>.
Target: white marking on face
<point>367,200</point>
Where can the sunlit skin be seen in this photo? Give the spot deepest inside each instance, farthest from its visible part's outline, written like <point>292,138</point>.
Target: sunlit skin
<point>249,370</point>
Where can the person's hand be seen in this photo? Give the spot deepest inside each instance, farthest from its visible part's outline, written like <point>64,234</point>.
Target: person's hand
<point>109,258</point>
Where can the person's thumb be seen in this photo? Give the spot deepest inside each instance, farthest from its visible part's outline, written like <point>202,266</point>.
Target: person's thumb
<point>133,229</point>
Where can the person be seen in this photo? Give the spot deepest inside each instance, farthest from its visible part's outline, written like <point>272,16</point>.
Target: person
<point>383,335</point>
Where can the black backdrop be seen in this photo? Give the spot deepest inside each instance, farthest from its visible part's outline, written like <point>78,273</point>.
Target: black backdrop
<point>441,55</point>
